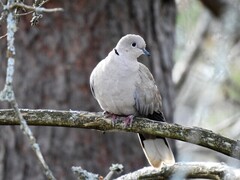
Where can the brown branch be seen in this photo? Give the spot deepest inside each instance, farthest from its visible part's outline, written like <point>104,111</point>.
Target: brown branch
<point>186,170</point>
<point>90,120</point>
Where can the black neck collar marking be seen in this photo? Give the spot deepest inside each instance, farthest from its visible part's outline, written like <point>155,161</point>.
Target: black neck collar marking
<point>116,52</point>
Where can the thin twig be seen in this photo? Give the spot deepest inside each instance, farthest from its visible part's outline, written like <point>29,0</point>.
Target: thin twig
<point>82,174</point>
<point>24,14</point>
<point>41,3</point>
<point>32,140</point>
<point>7,94</point>
<point>3,15</point>
<point>115,168</point>
<point>32,8</point>
<point>3,36</point>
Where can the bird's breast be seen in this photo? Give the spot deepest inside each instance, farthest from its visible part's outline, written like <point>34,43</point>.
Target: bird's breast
<point>115,90</point>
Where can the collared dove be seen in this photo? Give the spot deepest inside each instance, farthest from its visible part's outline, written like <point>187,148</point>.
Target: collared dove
<point>123,86</point>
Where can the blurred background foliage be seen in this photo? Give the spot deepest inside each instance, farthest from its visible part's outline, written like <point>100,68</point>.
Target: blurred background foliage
<point>210,93</point>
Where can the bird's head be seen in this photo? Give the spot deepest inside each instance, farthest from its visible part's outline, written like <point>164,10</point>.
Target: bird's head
<point>132,45</point>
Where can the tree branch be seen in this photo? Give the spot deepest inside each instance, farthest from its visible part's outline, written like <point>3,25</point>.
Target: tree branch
<point>186,170</point>
<point>90,120</point>
<point>83,174</point>
<point>32,8</point>
<point>7,94</point>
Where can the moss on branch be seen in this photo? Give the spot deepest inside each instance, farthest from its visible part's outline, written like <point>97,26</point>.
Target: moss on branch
<point>97,121</point>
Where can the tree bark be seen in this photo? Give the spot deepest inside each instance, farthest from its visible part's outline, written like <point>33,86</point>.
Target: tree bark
<point>53,64</point>
<point>194,170</point>
<point>97,121</point>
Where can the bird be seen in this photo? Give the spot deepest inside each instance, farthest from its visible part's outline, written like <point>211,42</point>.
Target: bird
<point>123,86</point>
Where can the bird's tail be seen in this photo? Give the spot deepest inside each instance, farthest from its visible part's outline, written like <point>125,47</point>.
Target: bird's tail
<point>157,150</point>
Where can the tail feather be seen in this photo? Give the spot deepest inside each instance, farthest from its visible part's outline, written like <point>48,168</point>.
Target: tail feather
<point>156,149</point>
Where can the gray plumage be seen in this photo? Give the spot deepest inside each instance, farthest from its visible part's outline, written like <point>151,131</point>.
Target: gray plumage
<point>123,86</point>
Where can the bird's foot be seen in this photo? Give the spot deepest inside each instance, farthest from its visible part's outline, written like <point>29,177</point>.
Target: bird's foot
<point>111,115</point>
<point>128,121</point>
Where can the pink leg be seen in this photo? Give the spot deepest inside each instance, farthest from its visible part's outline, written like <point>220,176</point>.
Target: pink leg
<point>111,115</point>
<point>128,121</point>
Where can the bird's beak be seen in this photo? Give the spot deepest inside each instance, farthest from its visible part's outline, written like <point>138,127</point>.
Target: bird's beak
<point>145,52</point>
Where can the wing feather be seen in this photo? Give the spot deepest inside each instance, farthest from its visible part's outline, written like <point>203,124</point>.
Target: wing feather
<point>147,96</point>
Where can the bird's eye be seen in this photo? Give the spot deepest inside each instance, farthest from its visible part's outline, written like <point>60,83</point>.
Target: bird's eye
<point>134,44</point>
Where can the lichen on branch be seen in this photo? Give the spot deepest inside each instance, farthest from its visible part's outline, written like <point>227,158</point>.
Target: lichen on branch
<point>97,121</point>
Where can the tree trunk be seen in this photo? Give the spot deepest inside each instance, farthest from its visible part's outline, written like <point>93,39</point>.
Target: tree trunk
<point>54,61</point>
